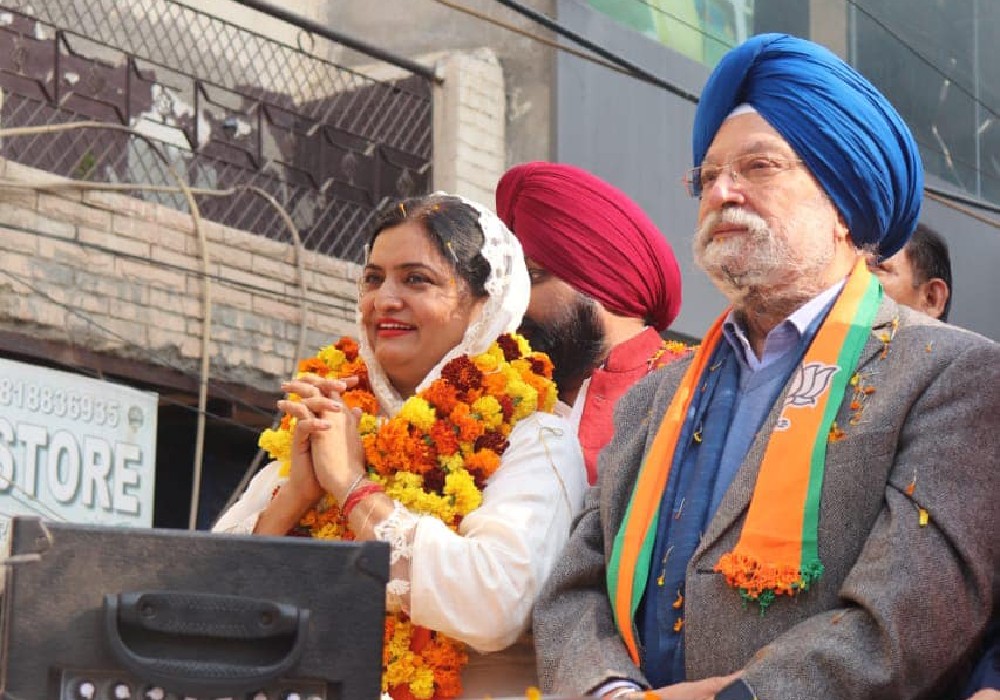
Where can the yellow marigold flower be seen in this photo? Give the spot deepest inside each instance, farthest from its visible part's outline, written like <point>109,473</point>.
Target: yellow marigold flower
<point>490,411</point>
<point>329,531</point>
<point>547,402</point>
<point>450,463</point>
<point>488,362</point>
<point>462,487</point>
<point>422,686</point>
<point>368,424</point>
<point>522,343</point>
<point>525,399</point>
<point>401,670</point>
<point>510,373</point>
<point>404,480</point>
<point>333,357</point>
<point>418,412</point>
<point>278,444</point>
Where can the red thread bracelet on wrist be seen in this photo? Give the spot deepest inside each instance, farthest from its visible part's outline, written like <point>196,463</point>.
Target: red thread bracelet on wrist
<point>356,496</point>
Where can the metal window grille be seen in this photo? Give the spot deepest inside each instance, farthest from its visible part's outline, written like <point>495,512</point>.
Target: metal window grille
<point>226,105</point>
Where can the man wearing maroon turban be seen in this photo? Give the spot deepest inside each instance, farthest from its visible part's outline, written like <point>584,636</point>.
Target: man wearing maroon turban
<point>604,282</point>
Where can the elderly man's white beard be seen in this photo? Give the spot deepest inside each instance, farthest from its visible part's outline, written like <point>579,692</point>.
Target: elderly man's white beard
<point>759,268</point>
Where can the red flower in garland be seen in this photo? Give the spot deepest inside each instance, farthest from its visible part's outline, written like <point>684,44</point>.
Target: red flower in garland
<point>462,373</point>
<point>511,350</point>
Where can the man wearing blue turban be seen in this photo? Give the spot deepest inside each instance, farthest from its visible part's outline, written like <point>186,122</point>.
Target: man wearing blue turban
<point>805,508</point>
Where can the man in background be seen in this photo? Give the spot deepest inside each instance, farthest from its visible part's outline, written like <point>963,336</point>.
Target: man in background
<point>604,284</point>
<point>919,276</point>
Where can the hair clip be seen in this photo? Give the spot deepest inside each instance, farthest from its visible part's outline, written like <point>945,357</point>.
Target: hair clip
<point>402,208</point>
<point>451,251</point>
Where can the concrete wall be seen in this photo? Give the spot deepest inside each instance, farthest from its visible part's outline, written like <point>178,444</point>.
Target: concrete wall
<point>122,276</point>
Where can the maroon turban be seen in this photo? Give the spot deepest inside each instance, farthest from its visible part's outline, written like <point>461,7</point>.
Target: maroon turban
<point>593,237</point>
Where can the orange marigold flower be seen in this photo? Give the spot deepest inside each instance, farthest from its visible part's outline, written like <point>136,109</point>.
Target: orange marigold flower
<point>444,438</point>
<point>420,637</point>
<point>421,455</point>
<point>541,364</point>
<point>494,384</point>
<point>348,346</point>
<point>468,427</point>
<point>313,365</point>
<point>401,692</point>
<point>356,368</point>
<point>286,422</point>
<point>442,396</point>
<point>449,684</point>
<point>486,461</point>
<point>364,400</point>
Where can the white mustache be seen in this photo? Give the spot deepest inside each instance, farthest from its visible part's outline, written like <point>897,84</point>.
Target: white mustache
<point>738,217</point>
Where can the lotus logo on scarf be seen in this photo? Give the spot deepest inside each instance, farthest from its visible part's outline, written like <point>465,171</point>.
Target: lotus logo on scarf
<point>809,383</point>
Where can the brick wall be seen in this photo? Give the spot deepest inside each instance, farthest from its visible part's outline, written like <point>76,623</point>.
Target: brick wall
<point>123,276</point>
<point>469,125</point>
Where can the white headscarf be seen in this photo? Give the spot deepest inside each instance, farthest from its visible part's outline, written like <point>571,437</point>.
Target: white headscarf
<point>508,289</point>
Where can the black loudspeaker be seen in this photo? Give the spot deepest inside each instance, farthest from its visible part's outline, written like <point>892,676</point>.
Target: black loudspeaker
<point>102,613</point>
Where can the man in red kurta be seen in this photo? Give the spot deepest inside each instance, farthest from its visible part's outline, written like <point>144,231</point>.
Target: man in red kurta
<point>604,284</point>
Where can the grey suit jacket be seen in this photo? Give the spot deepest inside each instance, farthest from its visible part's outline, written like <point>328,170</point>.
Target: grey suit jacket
<point>900,606</point>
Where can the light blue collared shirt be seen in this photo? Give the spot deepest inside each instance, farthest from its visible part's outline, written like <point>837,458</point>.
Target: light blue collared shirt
<point>783,337</point>
<point>761,380</point>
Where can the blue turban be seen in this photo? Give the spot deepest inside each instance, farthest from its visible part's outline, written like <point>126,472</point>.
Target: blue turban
<point>845,131</point>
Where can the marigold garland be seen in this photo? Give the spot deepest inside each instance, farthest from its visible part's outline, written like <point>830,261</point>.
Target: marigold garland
<point>434,457</point>
<point>669,351</point>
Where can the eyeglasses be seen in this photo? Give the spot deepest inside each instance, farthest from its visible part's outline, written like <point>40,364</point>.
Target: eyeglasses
<point>750,168</point>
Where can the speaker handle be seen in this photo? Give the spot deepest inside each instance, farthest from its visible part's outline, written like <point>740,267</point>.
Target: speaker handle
<point>203,615</point>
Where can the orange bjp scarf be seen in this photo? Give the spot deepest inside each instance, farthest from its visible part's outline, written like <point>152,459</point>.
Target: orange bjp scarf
<point>777,552</point>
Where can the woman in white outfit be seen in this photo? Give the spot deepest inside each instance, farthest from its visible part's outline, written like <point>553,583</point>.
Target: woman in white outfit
<point>443,279</point>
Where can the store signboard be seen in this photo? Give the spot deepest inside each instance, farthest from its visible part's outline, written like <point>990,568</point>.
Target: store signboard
<point>75,449</point>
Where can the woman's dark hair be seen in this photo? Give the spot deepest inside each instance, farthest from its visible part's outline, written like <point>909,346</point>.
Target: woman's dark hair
<point>453,226</point>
